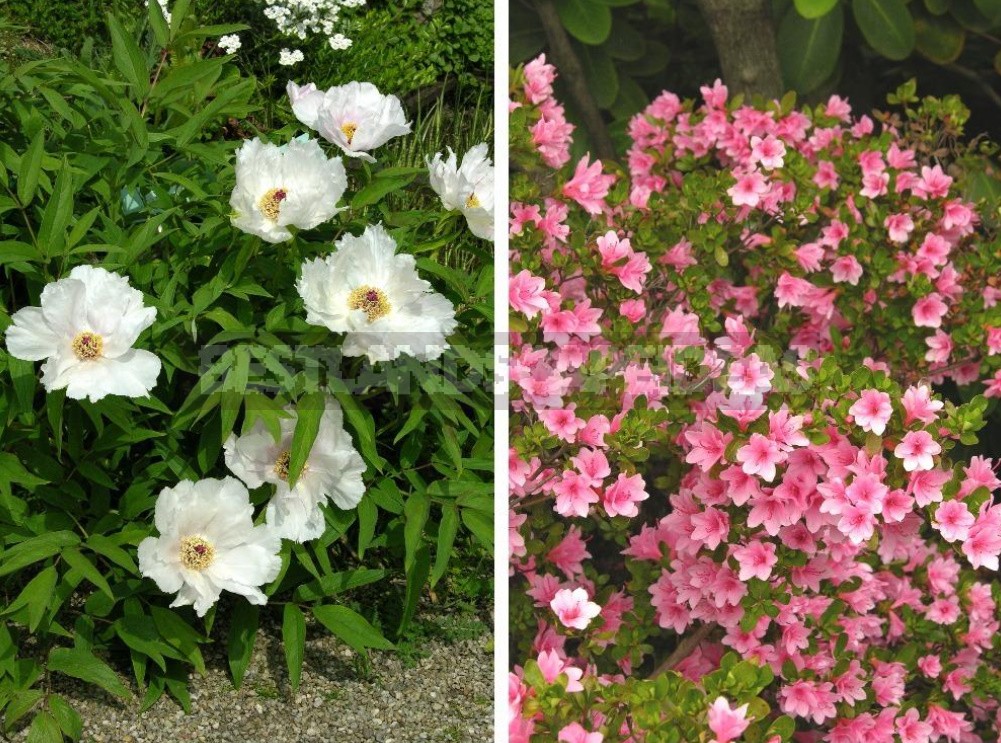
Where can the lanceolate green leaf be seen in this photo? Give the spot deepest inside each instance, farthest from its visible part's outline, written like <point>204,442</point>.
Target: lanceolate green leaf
<point>309,410</point>
<point>294,641</point>
<point>83,664</point>
<point>242,635</point>
<point>351,627</point>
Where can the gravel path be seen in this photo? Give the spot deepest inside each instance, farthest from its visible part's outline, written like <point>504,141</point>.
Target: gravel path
<point>444,695</point>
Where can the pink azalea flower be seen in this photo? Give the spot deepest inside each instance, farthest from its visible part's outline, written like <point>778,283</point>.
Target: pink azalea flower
<point>574,495</point>
<point>759,457</point>
<point>727,723</point>
<point>623,495</point>
<point>846,269</point>
<point>525,294</point>
<point>749,376</point>
<point>769,152</point>
<point>917,449</point>
<point>858,524</point>
<point>929,311</point>
<point>573,608</point>
<point>708,446</point>
<point>756,560</point>
<point>712,526</point>
<point>872,411</point>
<point>562,423</point>
<point>953,520</point>
<point>748,189</point>
<point>919,405</point>
<point>589,186</point>
<point>575,733</point>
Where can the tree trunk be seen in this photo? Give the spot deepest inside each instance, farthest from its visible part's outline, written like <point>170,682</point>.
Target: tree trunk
<point>569,66</point>
<point>745,42</point>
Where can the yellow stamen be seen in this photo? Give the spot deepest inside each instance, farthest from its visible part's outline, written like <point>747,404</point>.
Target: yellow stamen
<point>271,203</point>
<point>88,346</point>
<point>281,465</point>
<point>196,553</point>
<point>472,202</point>
<point>373,302</point>
<point>349,130</point>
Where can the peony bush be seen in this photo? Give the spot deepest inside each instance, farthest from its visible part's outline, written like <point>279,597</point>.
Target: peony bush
<point>748,374</point>
<point>244,377</point>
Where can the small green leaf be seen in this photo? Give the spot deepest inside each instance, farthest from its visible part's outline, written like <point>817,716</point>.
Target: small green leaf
<point>415,511</point>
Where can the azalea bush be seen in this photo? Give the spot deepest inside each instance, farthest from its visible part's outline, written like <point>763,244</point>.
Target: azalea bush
<point>742,505</point>
<point>243,372</point>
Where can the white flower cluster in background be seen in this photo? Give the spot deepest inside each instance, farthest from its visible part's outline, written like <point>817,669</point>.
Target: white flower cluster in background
<point>289,58</point>
<point>230,43</point>
<point>305,18</point>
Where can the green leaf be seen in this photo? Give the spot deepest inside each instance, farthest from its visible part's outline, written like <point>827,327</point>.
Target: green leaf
<point>31,169</point>
<point>887,26</point>
<point>140,634</point>
<point>447,530</point>
<point>602,75</point>
<point>351,627</point>
<point>44,729</point>
<point>482,526</point>
<point>84,665</point>
<point>588,22</point>
<point>57,213</point>
<point>991,10</point>
<point>127,56</point>
<point>940,39</point>
<point>417,576</point>
<point>309,410</point>
<point>815,8</point>
<point>157,22</point>
<point>242,635</point>
<point>87,569</point>
<point>294,640</point>
<point>368,517</point>
<point>379,187</point>
<point>415,512</point>
<point>36,596</point>
<point>67,717</point>
<point>35,549</point>
<point>809,48</point>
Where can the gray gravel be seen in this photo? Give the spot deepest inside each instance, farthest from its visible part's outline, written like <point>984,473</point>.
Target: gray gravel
<point>443,696</point>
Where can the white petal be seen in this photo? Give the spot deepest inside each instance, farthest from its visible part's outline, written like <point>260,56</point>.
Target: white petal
<point>30,337</point>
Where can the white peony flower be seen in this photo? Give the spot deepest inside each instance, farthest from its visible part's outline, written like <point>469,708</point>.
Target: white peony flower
<point>468,187</point>
<point>208,544</point>
<point>333,470</point>
<point>277,187</point>
<point>356,117</point>
<point>84,330</point>
<point>375,296</point>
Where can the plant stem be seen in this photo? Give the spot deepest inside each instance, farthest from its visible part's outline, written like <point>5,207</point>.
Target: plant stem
<point>684,649</point>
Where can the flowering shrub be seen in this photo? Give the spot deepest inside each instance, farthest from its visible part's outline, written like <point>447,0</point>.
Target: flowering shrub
<point>263,380</point>
<point>740,508</point>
